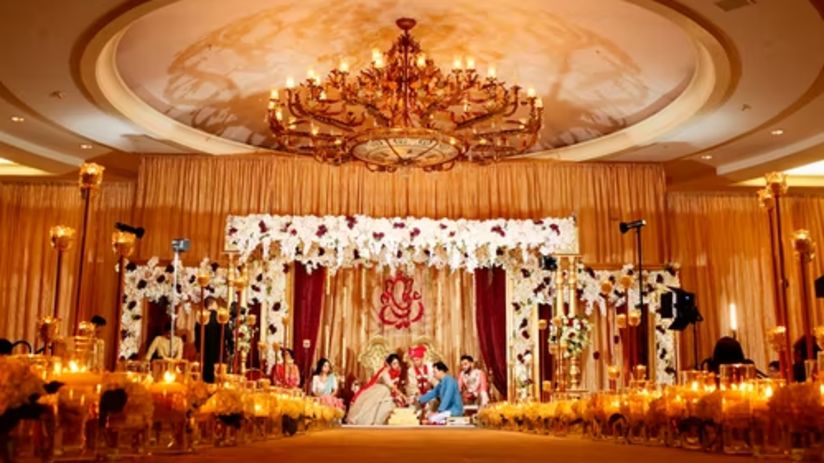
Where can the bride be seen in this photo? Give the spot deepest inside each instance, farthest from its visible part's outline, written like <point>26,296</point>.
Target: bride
<point>375,401</point>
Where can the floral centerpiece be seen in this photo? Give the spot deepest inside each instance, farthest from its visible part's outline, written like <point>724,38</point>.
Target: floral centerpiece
<point>572,333</point>
<point>21,390</point>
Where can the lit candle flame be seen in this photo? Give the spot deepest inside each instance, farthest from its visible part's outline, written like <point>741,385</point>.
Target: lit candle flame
<point>470,63</point>
<point>274,95</point>
<point>530,92</point>
<point>344,66</point>
<point>491,72</point>
<point>733,318</point>
<point>169,377</point>
<point>290,83</point>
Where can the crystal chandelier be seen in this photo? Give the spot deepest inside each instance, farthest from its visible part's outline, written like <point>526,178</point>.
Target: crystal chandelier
<point>403,111</point>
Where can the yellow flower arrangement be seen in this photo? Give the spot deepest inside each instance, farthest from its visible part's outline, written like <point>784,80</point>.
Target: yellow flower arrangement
<point>709,407</point>
<point>797,405</point>
<point>224,402</point>
<point>139,406</point>
<point>199,392</point>
<point>18,383</point>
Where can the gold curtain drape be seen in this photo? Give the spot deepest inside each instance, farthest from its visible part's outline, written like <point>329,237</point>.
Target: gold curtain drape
<point>722,242</point>
<point>28,263</point>
<point>192,195</point>
<point>351,315</point>
<point>720,239</point>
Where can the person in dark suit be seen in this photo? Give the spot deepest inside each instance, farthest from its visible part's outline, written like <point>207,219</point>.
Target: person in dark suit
<point>211,353</point>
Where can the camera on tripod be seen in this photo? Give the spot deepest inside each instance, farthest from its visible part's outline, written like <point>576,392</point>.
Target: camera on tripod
<point>180,245</point>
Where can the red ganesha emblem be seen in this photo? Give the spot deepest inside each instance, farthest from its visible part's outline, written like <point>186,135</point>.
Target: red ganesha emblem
<point>401,305</point>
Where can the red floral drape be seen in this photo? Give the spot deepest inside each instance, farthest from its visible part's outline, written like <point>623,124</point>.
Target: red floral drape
<point>490,304</point>
<point>307,309</point>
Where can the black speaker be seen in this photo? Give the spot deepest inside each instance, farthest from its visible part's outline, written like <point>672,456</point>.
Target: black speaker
<point>549,263</point>
<point>686,313</point>
<point>667,305</point>
<point>819,287</point>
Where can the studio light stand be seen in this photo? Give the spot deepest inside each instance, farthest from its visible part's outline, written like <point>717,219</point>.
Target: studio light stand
<point>179,245</point>
<point>637,225</point>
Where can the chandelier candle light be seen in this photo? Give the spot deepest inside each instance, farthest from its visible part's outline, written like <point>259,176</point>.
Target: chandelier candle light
<point>404,111</point>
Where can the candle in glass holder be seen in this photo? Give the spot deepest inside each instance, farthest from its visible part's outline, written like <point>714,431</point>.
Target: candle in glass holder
<point>634,317</point>
<point>223,315</point>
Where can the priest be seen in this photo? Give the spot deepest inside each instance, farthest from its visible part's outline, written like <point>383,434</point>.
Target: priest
<point>448,395</point>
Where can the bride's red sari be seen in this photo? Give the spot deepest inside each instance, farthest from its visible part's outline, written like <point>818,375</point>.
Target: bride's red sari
<point>394,374</point>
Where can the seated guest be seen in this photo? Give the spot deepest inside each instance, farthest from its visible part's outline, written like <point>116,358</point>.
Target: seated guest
<point>99,324</point>
<point>286,373</point>
<point>472,383</point>
<point>800,355</point>
<point>325,384</point>
<point>419,377</point>
<point>164,347</point>
<point>448,395</point>
<point>6,346</point>
<point>774,369</point>
<point>375,401</point>
<point>727,351</point>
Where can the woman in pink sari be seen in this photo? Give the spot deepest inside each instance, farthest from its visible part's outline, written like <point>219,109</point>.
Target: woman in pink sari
<point>376,400</point>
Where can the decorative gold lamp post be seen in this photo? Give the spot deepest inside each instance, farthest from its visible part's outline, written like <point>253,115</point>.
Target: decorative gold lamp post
<point>805,250</point>
<point>62,238</point>
<point>239,285</point>
<point>543,338</point>
<point>251,321</point>
<point>89,180</point>
<point>204,315</point>
<point>769,200</point>
<point>223,316</point>
<point>123,246</point>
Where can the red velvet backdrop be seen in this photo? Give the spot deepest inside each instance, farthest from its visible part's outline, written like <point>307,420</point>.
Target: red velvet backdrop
<point>490,303</point>
<point>307,309</point>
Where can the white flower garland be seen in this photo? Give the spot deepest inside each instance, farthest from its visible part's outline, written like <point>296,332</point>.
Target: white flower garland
<point>617,288</point>
<point>596,289</point>
<point>152,282</point>
<point>344,241</point>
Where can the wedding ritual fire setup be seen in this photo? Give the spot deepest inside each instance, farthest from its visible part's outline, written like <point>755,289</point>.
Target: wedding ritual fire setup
<point>478,231</point>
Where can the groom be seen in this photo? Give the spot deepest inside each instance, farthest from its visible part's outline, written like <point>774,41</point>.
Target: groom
<point>447,393</point>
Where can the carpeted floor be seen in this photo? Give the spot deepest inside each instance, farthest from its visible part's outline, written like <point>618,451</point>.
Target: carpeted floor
<point>440,445</point>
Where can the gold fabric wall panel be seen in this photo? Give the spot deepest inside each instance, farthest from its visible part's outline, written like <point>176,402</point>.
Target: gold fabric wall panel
<point>351,315</point>
<point>191,196</point>
<point>722,241</point>
<point>28,263</point>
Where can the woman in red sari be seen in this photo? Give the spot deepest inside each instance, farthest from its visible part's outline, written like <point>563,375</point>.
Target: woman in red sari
<point>376,400</point>
<point>286,374</point>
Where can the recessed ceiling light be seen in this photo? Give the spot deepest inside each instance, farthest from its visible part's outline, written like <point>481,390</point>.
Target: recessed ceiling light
<point>86,146</point>
<point>17,118</point>
<point>777,132</point>
<point>706,157</point>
